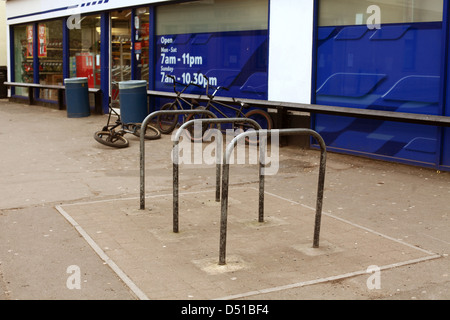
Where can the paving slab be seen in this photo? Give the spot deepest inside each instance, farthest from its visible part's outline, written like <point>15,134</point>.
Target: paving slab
<point>264,257</point>
<point>39,255</point>
<point>375,212</point>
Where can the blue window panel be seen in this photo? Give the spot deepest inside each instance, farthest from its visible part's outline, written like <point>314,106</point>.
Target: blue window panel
<point>396,68</point>
<point>409,64</point>
<point>392,140</point>
<point>415,88</point>
<point>392,32</point>
<point>324,32</point>
<point>351,33</point>
<point>237,60</point>
<point>350,84</point>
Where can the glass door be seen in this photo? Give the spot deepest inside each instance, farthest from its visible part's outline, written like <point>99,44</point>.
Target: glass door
<point>142,43</point>
<point>23,56</point>
<point>120,45</point>
<point>84,44</point>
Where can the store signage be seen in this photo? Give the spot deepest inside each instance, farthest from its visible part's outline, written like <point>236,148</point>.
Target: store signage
<point>30,41</point>
<point>34,10</point>
<point>42,40</point>
<point>138,47</point>
<point>236,60</point>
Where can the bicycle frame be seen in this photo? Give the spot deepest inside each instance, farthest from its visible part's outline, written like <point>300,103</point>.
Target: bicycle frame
<point>212,104</point>
<point>118,122</point>
<point>115,101</point>
<point>239,112</point>
<point>179,99</point>
<point>168,123</point>
<point>111,137</point>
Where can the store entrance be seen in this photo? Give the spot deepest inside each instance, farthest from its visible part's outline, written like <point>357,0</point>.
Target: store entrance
<point>120,46</point>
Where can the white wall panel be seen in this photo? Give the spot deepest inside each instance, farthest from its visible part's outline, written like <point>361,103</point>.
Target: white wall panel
<point>290,53</point>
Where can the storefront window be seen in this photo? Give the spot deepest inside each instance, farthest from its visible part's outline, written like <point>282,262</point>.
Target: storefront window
<point>141,45</point>
<point>355,12</point>
<point>23,56</point>
<point>121,45</point>
<point>212,16</point>
<point>50,54</point>
<point>85,50</point>
<point>225,40</point>
<point>380,55</point>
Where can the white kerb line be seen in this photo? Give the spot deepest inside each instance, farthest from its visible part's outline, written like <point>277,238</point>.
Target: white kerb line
<point>133,287</point>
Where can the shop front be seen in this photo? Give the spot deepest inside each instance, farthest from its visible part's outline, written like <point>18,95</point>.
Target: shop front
<point>46,52</point>
<point>113,41</point>
<point>378,55</point>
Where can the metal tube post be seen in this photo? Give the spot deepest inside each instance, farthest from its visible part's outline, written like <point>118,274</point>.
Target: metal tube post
<point>142,142</point>
<point>175,149</point>
<point>225,184</point>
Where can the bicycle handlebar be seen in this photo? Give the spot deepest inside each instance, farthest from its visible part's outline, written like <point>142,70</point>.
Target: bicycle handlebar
<point>210,96</point>
<point>216,88</point>
<point>175,82</point>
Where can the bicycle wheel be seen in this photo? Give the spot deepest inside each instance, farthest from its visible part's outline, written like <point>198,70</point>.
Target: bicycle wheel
<point>198,136</point>
<point>166,123</point>
<point>151,133</point>
<point>111,139</point>
<point>261,117</point>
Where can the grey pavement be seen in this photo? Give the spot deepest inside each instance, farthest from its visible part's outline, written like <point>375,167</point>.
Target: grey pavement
<point>68,202</point>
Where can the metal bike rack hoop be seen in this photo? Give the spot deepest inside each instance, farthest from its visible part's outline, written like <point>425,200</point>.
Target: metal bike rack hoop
<point>225,183</point>
<point>142,142</point>
<point>175,158</point>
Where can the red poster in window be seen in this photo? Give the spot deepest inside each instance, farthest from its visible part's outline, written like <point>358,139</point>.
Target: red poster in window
<point>85,67</point>
<point>29,41</point>
<point>138,47</point>
<point>42,40</point>
<point>145,30</point>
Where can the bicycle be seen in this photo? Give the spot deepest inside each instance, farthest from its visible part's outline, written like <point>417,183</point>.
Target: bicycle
<point>262,117</point>
<point>167,123</point>
<point>112,135</point>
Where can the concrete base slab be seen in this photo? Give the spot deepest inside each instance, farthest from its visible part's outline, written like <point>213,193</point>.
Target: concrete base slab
<point>261,257</point>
